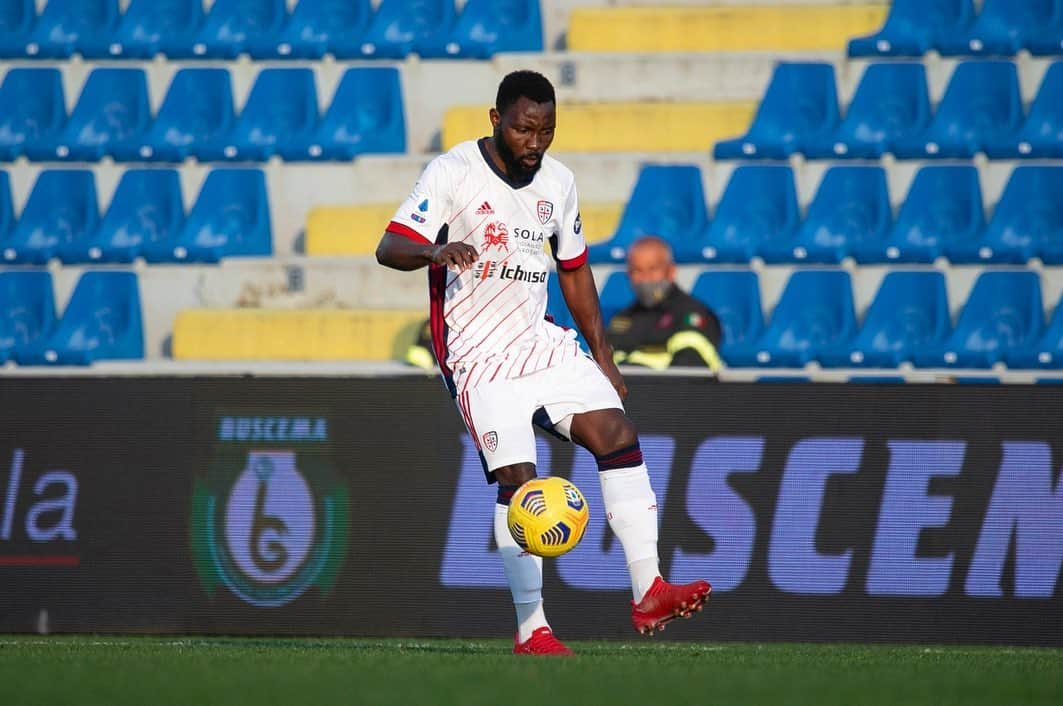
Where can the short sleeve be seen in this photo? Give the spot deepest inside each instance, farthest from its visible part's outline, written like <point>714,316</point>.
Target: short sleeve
<point>571,249</point>
<point>428,207</point>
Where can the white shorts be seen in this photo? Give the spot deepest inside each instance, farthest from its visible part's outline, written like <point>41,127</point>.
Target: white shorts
<point>499,415</point>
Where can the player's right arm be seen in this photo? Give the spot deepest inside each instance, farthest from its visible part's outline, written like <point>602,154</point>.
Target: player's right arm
<point>409,242</point>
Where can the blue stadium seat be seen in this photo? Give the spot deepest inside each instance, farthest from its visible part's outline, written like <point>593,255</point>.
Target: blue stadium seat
<point>230,218</point>
<point>316,28</point>
<point>229,29</point>
<point>17,18</point>
<point>102,321</point>
<point>555,303</point>
<point>668,201</point>
<point>365,117</point>
<point>1027,221</point>
<point>801,104</point>
<point>61,209</point>
<point>1003,312</point>
<point>616,294</point>
<point>27,309</point>
<point>910,311</point>
<point>913,26</point>
<point>1046,353</point>
<point>402,27</point>
<point>851,210</point>
<point>488,27</point>
<point>282,107</point>
<point>815,312</point>
<point>197,110</point>
<point>890,103</point>
<point>759,203</point>
<point>145,28</point>
<point>981,105</point>
<point>63,25</point>
<point>112,108</point>
<point>32,109</point>
<point>146,208</point>
<point>7,211</point>
<point>1047,40</point>
<point>943,209</point>
<point>734,296</point>
<point>1041,135</point>
<point>1000,29</point>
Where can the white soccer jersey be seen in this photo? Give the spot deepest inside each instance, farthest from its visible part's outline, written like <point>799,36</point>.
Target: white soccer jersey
<point>489,321</point>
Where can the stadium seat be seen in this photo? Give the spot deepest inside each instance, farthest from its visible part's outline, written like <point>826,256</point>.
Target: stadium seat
<point>197,110</point>
<point>1000,29</point>
<point>943,209</point>
<point>27,309</point>
<point>316,28</point>
<point>32,109</point>
<point>61,209</point>
<point>1027,221</point>
<point>7,211</point>
<point>305,334</point>
<point>230,218</point>
<point>913,27</point>
<point>146,208</point>
<point>487,27</point>
<point>815,312</point>
<point>668,201</point>
<point>402,27</point>
<point>910,311</point>
<point>800,105</point>
<point>981,105</point>
<point>890,103</point>
<point>63,25</point>
<point>1003,312</point>
<point>228,30</point>
<point>145,28</point>
<point>734,296</point>
<point>851,210</point>
<point>616,294</point>
<point>1044,353</point>
<point>1047,40</point>
<point>112,109</point>
<point>365,117</point>
<point>102,321</point>
<point>759,203</point>
<point>1041,135</point>
<point>282,107</point>
<point>17,18</point>
<point>556,308</point>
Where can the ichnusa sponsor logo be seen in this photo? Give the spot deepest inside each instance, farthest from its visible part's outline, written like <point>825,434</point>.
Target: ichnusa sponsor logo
<point>269,524</point>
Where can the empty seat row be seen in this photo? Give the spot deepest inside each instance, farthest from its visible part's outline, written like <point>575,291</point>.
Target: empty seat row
<point>197,118</point>
<point>1002,28</point>
<point>850,216</point>
<point>102,320</point>
<point>346,29</point>
<point>145,218</point>
<point>981,111</point>
<point>908,321</point>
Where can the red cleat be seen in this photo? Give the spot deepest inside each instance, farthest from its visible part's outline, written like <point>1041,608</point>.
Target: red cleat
<point>541,643</point>
<point>665,602</point>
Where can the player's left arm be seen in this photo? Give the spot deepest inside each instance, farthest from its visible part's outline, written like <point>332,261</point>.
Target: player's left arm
<point>581,295</point>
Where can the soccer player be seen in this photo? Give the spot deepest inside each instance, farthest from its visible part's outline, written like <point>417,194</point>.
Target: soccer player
<point>480,217</point>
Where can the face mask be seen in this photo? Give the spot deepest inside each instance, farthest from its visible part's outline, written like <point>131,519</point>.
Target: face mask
<point>650,294</point>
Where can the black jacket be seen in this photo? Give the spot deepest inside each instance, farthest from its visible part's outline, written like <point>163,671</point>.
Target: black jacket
<point>680,331</point>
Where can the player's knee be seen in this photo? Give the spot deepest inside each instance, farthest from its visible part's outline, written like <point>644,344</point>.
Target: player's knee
<point>514,475</point>
<point>618,433</point>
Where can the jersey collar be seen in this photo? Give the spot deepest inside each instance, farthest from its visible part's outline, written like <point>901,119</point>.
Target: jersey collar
<point>511,183</point>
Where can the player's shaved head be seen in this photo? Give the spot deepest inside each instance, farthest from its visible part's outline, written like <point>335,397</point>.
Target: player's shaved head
<point>523,84</point>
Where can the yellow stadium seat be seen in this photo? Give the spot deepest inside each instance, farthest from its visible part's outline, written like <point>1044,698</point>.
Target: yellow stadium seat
<point>346,230</point>
<point>311,334</point>
<point>599,220</point>
<point>724,28</point>
<point>622,127</point>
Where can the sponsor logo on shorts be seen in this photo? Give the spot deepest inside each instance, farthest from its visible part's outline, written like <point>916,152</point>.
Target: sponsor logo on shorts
<point>491,441</point>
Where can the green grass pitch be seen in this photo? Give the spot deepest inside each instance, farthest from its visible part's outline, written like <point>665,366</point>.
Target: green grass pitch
<point>112,671</point>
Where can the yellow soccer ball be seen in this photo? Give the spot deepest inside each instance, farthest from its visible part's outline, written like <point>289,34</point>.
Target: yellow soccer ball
<point>547,516</point>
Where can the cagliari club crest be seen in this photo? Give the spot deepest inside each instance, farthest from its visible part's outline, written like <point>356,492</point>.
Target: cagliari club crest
<point>491,441</point>
<point>545,209</point>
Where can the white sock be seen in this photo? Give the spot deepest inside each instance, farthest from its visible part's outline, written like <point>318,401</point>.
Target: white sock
<point>524,573</point>
<point>631,506</point>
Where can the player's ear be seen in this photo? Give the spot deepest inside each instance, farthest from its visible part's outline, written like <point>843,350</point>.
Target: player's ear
<point>496,118</point>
